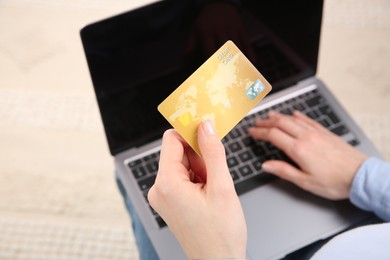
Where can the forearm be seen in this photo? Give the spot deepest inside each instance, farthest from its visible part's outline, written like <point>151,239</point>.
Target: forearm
<point>371,188</point>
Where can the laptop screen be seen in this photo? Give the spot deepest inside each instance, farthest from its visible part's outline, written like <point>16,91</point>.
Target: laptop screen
<point>136,59</point>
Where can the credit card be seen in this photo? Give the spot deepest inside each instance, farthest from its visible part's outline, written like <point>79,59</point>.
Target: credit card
<point>223,89</point>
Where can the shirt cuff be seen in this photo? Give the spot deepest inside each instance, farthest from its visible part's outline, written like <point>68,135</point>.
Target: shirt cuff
<point>370,188</point>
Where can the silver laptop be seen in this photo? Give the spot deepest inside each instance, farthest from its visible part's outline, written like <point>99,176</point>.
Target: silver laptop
<point>136,59</point>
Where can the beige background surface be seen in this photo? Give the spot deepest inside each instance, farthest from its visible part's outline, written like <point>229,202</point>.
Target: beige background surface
<point>58,198</point>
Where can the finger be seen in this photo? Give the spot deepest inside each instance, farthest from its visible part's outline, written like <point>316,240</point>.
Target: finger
<point>172,149</point>
<point>286,123</point>
<point>274,135</point>
<point>213,154</point>
<point>307,120</point>
<point>172,160</point>
<point>196,164</point>
<point>285,171</point>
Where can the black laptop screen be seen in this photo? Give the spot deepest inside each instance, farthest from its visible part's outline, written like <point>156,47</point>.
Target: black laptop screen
<point>136,59</point>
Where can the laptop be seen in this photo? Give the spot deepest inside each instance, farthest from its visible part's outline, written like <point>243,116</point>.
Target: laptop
<point>137,58</point>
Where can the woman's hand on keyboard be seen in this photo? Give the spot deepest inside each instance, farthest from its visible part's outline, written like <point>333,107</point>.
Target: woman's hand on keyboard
<point>327,164</point>
<point>196,197</point>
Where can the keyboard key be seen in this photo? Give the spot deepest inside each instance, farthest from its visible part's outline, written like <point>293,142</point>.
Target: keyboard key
<point>234,147</point>
<point>150,156</point>
<point>299,107</point>
<point>134,163</point>
<point>246,120</point>
<point>147,183</point>
<point>314,101</point>
<point>257,164</point>
<point>139,172</point>
<point>278,107</point>
<point>145,192</point>
<point>245,170</point>
<point>232,161</point>
<point>234,175</point>
<point>234,133</point>
<point>251,117</point>
<point>259,150</point>
<point>326,110</point>
<point>225,139</point>
<point>312,115</point>
<point>324,122</point>
<point>340,130</point>
<point>248,141</point>
<point>152,166</point>
<point>285,111</point>
<point>332,116</point>
<point>153,211</point>
<point>161,223</point>
<point>269,146</point>
<point>245,127</point>
<point>353,142</point>
<point>245,156</point>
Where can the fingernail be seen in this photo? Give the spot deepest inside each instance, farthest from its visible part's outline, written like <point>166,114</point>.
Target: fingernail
<point>208,127</point>
<point>296,112</point>
<point>266,167</point>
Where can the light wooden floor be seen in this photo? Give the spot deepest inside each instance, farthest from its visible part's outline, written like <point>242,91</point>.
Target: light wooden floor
<point>55,168</point>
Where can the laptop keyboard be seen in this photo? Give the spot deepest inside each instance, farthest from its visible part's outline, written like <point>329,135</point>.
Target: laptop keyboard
<point>244,154</point>
<point>145,171</point>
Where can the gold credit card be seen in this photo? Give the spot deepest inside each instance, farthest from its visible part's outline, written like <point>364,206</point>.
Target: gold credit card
<point>223,89</point>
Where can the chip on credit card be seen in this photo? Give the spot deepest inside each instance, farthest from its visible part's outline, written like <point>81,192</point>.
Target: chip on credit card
<point>223,89</point>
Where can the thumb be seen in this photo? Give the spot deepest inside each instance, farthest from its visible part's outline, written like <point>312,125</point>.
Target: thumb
<point>213,153</point>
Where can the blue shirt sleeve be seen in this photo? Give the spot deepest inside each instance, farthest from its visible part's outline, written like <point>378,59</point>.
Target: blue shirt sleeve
<point>371,188</point>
